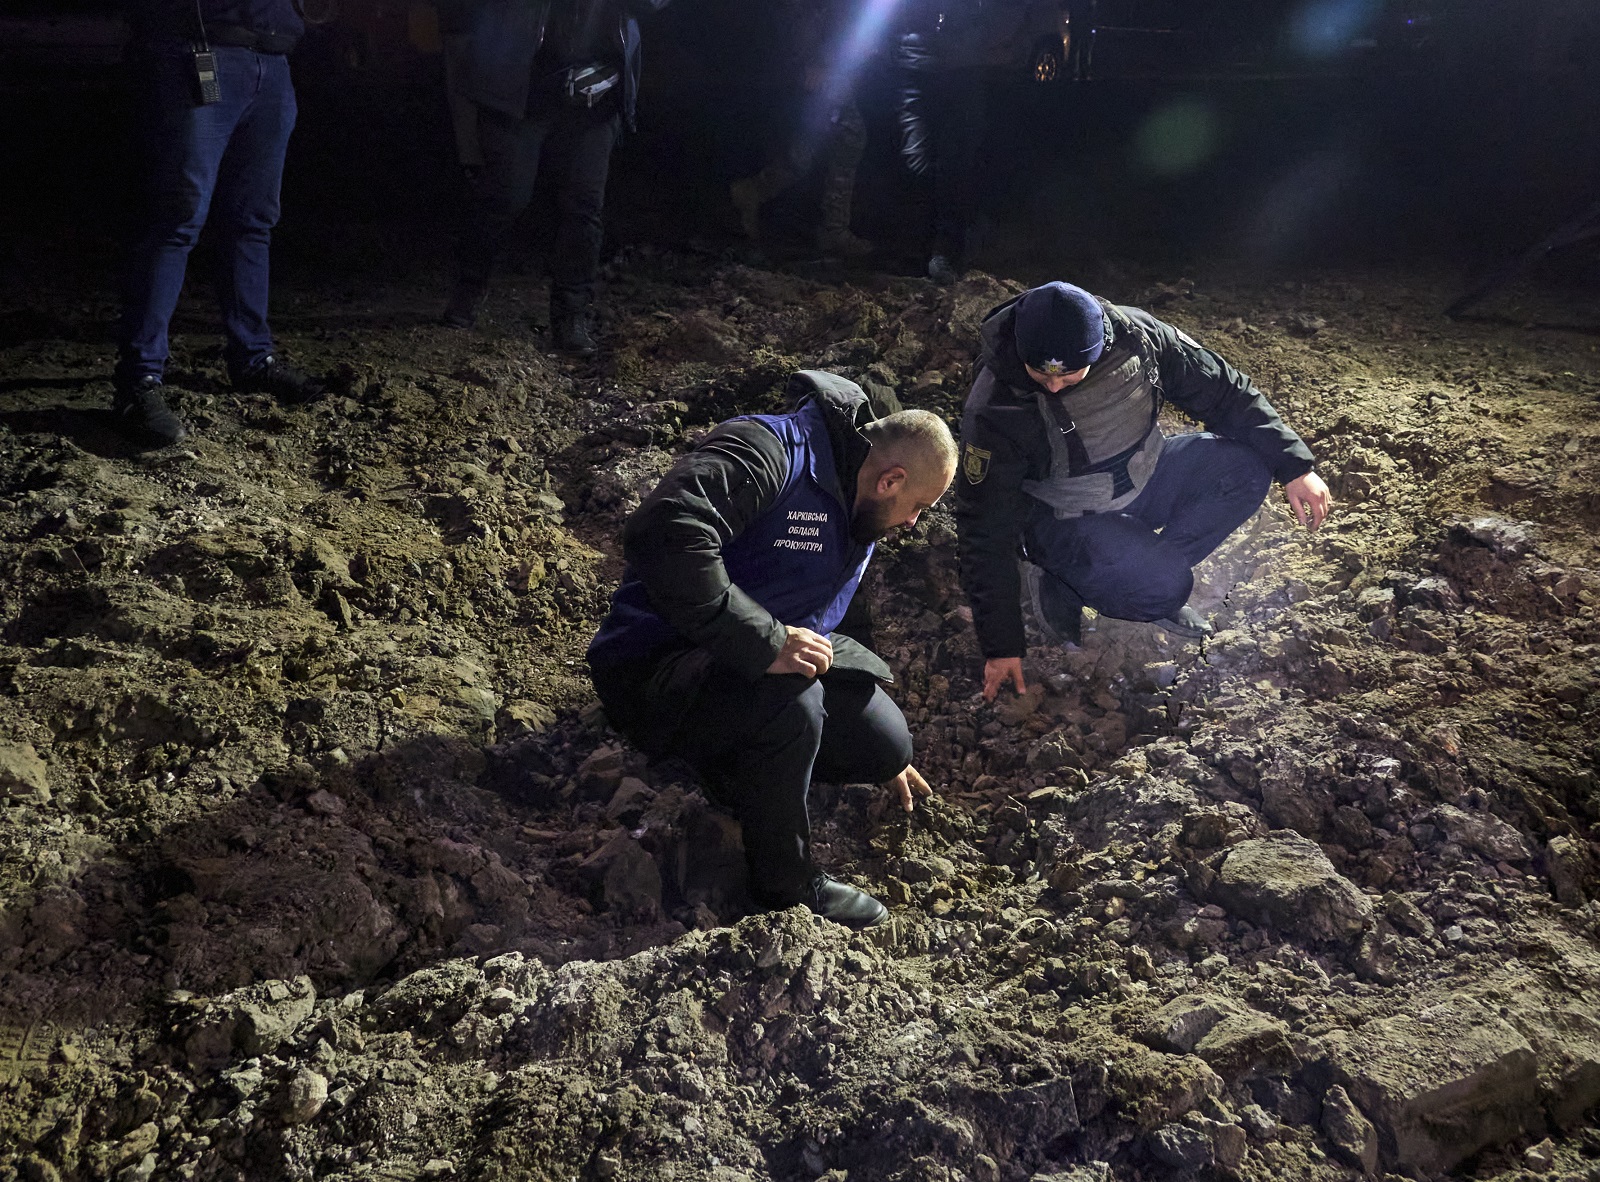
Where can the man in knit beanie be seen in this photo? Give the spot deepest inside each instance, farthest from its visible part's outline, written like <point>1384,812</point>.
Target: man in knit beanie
<point>1062,456</point>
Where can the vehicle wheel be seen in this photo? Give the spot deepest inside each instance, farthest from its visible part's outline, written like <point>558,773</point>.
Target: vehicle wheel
<point>1046,65</point>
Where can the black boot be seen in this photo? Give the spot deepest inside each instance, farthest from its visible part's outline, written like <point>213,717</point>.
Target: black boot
<point>143,416</point>
<point>844,904</point>
<point>1056,608</point>
<point>573,335</point>
<point>283,381</point>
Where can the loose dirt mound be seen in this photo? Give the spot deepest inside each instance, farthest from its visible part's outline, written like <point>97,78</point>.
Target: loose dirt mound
<point>317,863</point>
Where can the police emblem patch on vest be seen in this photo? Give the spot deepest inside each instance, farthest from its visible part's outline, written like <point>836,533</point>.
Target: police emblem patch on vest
<point>975,463</point>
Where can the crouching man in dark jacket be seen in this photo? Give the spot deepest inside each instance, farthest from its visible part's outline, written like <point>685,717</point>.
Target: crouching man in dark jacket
<point>546,74</point>
<point>1062,452</point>
<point>720,646</point>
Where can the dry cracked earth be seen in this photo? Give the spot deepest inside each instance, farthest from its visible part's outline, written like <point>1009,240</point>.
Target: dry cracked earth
<point>317,860</point>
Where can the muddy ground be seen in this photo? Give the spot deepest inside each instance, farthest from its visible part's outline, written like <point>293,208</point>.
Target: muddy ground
<point>319,860</point>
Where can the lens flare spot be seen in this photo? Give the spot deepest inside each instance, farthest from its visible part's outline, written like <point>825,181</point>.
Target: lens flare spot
<point>1178,138</point>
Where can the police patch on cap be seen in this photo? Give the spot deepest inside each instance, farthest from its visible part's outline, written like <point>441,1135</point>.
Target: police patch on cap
<point>975,463</point>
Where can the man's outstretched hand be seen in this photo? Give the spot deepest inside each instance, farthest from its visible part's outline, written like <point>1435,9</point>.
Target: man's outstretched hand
<point>803,652</point>
<point>999,670</point>
<point>1309,499</point>
<point>906,783</point>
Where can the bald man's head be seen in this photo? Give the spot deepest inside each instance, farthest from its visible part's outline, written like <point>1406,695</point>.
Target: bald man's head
<point>912,462</point>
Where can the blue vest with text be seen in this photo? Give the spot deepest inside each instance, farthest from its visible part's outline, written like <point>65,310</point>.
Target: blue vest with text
<point>797,559</point>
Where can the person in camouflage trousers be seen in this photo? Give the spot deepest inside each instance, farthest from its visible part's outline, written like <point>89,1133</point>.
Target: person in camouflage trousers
<point>832,129</point>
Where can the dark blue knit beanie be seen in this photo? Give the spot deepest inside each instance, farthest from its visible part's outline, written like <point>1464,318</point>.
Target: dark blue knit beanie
<point>1059,328</point>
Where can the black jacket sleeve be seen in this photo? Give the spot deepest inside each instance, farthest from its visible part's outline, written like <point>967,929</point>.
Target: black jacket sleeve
<point>990,510</point>
<point>1202,384</point>
<point>674,541</point>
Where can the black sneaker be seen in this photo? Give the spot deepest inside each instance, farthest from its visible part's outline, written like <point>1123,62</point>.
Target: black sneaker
<point>462,310</point>
<point>143,416</point>
<point>942,271</point>
<point>573,336</point>
<point>844,904</point>
<point>283,381</point>
<point>1186,622</point>
<point>1056,609</point>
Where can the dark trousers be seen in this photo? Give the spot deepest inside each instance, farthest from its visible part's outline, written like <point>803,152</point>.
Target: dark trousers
<point>1204,487</point>
<point>225,161</point>
<point>942,115</point>
<point>757,746</point>
<point>512,152</point>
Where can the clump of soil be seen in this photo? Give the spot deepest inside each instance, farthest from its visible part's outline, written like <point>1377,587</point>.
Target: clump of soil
<point>318,860</point>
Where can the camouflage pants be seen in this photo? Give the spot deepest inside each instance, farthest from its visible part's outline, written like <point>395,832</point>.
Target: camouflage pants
<point>841,145</point>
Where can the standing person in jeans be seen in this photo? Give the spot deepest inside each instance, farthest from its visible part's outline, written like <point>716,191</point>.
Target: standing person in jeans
<point>722,645</point>
<point>543,71</point>
<point>215,106</point>
<point>1062,452</point>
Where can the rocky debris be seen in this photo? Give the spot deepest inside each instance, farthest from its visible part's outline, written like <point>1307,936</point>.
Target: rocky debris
<point>252,1021</point>
<point>23,775</point>
<point>1286,881</point>
<point>1439,1082</point>
<point>313,703</point>
<point>1349,1131</point>
<point>1571,868</point>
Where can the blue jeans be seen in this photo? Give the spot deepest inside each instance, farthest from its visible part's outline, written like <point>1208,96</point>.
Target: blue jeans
<point>1204,487</point>
<point>224,159</point>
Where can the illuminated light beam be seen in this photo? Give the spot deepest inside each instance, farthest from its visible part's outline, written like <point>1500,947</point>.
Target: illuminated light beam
<point>865,33</point>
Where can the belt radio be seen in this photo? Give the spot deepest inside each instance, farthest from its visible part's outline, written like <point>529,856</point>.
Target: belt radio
<point>208,87</point>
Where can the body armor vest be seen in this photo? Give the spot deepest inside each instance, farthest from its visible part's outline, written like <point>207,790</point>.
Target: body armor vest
<point>1104,438</point>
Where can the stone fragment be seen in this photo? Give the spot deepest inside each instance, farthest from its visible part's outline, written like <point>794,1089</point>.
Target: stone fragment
<point>23,775</point>
<point>1439,1083</point>
<point>1228,1146</point>
<point>324,803</point>
<point>252,1021</point>
<point>1245,1042</point>
<point>1405,914</point>
<point>1287,882</point>
<point>1567,862</point>
<point>303,1097</point>
<point>1094,1171</point>
<point>521,716</point>
<point>1565,1035</point>
<point>629,801</point>
<point>1179,1147</point>
<point>1054,751</point>
<point>1350,1132</point>
<point>601,772</point>
<point>929,869</point>
<point>1178,1026</point>
<point>1258,1122</point>
<point>1540,1157</point>
<point>1506,538</point>
<point>1485,833</point>
<point>629,879</point>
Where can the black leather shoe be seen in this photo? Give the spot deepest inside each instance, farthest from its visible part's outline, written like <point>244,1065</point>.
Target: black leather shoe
<point>1186,622</point>
<point>844,904</point>
<point>573,337</point>
<point>1055,608</point>
<point>462,310</point>
<point>143,416</point>
<point>283,381</point>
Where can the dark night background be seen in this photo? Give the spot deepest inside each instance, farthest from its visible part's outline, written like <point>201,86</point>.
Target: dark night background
<point>1449,156</point>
